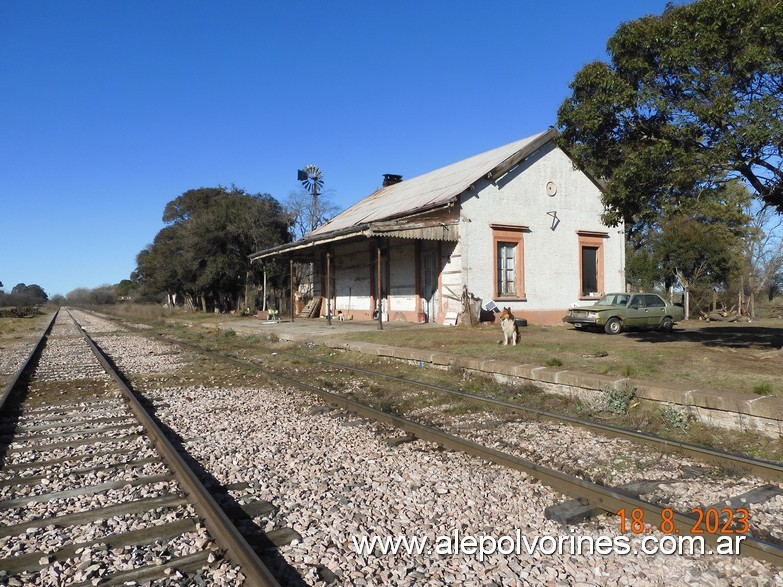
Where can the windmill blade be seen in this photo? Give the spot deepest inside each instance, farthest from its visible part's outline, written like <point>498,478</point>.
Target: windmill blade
<point>311,178</point>
<point>312,170</point>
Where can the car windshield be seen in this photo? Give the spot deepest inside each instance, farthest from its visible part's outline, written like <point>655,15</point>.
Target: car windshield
<point>613,300</point>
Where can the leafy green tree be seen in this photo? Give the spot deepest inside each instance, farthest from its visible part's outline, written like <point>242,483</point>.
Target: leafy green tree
<point>161,265</point>
<point>699,254</point>
<point>203,252</point>
<point>691,100</point>
<point>29,295</point>
<point>642,268</point>
<point>694,251</point>
<point>125,288</point>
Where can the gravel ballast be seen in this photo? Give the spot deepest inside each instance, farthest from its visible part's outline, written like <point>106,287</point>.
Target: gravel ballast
<point>335,479</point>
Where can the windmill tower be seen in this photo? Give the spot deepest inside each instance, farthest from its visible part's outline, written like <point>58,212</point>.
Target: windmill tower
<point>312,180</point>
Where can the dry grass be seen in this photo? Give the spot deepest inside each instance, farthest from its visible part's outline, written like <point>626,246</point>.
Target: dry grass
<point>737,357</point>
<point>731,357</point>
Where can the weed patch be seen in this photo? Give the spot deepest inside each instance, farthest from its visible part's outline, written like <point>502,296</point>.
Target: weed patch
<point>762,389</point>
<point>617,400</point>
<point>672,417</point>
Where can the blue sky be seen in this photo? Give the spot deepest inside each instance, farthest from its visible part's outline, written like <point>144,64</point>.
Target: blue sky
<point>109,110</point>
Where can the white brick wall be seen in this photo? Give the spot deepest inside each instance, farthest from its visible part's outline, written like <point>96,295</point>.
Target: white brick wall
<point>402,255</point>
<point>551,257</point>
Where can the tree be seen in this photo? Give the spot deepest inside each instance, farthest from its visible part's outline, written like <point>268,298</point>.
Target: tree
<point>125,288</point>
<point>762,258</point>
<point>642,268</point>
<point>698,246</point>
<point>203,252</point>
<point>28,295</point>
<point>691,100</point>
<point>307,213</point>
<point>775,286</point>
<point>697,253</point>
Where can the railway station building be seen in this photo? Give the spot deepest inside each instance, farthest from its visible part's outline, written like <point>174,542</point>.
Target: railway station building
<point>518,226</point>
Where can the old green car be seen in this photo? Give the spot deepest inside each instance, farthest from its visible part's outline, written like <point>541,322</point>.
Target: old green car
<point>616,312</point>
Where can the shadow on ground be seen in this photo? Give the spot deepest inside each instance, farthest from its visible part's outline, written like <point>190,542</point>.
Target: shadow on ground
<point>738,337</point>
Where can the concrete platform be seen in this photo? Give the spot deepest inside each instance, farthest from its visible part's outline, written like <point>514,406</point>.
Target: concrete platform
<point>723,409</point>
<point>308,329</point>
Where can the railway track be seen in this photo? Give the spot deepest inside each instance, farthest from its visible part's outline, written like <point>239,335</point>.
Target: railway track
<point>594,497</point>
<point>598,497</point>
<point>92,492</point>
<point>763,469</point>
<point>590,498</point>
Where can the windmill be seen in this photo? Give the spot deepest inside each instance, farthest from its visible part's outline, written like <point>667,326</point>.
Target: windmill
<point>312,180</point>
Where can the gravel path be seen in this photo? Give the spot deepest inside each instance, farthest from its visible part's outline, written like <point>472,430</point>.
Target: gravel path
<point>335,479</point>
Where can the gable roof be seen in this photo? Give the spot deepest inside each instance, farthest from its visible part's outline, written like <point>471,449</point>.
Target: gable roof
<point>377,213</point>
<point>433,189</point>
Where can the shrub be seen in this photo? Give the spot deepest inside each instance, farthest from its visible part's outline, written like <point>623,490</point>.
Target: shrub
<point>618,400</point>
<point>554,363</point>
<point>672,417</point>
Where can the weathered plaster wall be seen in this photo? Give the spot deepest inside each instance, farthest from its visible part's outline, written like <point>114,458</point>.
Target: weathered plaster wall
<point>551,257</point>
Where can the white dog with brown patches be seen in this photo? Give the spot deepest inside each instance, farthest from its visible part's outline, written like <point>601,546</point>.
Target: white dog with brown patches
<point>509,325</point>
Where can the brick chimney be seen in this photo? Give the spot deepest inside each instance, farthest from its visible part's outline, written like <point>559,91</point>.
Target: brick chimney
<point>391,179</point>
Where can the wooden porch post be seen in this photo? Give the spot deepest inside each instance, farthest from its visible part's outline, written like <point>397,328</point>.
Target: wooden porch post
<point>291,268</point>
<point>328,289</point>
<point>263,304</point>
<point>380,300</point>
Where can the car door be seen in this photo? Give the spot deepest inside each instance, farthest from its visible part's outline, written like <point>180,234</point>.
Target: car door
<point>636,312</point>
<point>656,309</point>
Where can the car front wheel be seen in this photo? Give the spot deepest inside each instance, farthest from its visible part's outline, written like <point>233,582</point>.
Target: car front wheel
<point>667,324</point>
<point>613,326</point>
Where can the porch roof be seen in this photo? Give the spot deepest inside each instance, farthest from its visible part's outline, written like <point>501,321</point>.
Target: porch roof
<point>430,229</point>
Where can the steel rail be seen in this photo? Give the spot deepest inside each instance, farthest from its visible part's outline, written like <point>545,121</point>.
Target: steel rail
<point>27,362</point>
<point>605,498</point>
<point>216,521</point>
<point>765,469</point>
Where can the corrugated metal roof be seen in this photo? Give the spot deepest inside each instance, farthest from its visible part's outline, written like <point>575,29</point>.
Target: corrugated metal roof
<point>432,189</point>
<point>431,230</point>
